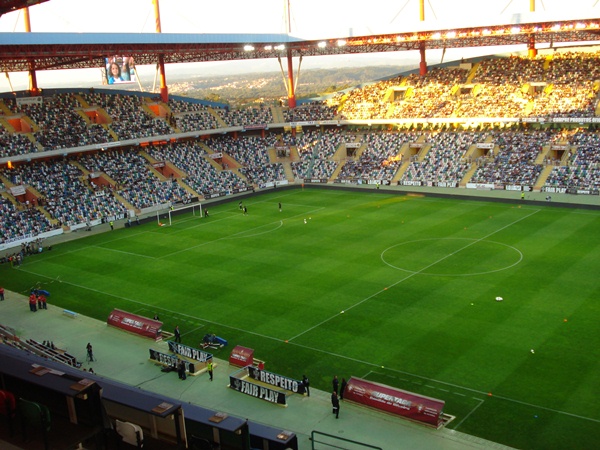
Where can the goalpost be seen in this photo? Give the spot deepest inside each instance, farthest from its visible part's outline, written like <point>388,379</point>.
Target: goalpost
<point>194,208</point>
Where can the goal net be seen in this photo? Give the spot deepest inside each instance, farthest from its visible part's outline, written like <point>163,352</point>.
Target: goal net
<point>190,211</point>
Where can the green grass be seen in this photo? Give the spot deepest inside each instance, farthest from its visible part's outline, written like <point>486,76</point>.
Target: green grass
<point>416,278</point>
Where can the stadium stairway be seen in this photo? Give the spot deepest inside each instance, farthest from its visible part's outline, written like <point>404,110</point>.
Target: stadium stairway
<point>541,180</point>
<point>131,365</point>
<point>468,174</point>
<point>277,113</point>
<point>219,119</point>
<point>5,109</point>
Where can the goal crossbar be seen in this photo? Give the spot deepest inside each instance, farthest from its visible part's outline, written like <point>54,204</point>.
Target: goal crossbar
<point>195,208</point>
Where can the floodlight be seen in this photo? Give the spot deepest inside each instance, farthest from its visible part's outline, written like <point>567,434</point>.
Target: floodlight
<point>322,44</point>
<point>248,48</point>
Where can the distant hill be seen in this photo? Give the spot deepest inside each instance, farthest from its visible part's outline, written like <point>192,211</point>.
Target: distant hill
<point>268,87</point>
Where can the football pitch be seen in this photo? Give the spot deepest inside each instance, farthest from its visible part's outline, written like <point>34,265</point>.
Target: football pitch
<point>397,289</point>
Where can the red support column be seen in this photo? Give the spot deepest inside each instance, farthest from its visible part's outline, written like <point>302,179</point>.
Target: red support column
<point>291,88</point>
<point>531,50</point>
<point>33,87</point>
<point>164,90</point>
<point>423,63</point>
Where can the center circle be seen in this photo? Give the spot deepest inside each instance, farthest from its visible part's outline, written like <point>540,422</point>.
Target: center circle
<point>452,257</point>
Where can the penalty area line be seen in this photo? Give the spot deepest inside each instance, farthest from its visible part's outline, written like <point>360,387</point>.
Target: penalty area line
<point>470,412</point>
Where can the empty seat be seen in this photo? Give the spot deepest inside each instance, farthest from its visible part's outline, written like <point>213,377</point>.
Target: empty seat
<point>8,408</point>
<point>34,417</point>
<point>130,433</point>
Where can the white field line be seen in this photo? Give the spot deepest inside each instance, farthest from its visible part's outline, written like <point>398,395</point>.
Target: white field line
<point>470,412</point>
<point>413,274</point>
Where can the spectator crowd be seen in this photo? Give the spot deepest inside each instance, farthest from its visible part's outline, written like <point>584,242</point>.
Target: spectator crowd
<point>103,185</point>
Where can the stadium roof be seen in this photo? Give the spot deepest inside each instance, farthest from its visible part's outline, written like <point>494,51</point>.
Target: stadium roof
<point>7,6</point>
<point>47,51</point>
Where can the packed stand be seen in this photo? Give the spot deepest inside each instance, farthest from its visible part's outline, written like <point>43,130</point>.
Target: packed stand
<point>583,170</point>
<point>135,182</point>
<point>368,102</point>
<point>129,120</point>
<point>515,162</point>
<point>191,116</point>
<point>252,153</point>
<point>13,144</point>
<point>247,117</point>
<point>307,112</point>
<point>445,161</point>
<point>66,198</point>
<point>21,224</point>
<point>60,124</point>
<point>428,96</point>
<point>379,159</point>
<point>306,143</point>
<point>571,76</point>
<point>202,176</point>
<point>501,87</point>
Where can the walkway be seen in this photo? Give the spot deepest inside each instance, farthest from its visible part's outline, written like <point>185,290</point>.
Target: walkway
<point>124,357</point>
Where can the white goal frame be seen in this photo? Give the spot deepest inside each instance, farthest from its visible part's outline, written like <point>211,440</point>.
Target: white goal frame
<point>196,209</point>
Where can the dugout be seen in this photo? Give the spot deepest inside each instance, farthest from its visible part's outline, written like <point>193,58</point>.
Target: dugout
<point>217,429</point>
<point>85,408</point>
<point>71,402</point>
<point>269,438</point>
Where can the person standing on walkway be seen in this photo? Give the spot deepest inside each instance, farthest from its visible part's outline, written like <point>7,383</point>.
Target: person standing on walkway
<point>112,225</point>
<point>342,388</point>
<point>90,352</point>
<point>42,302</point>
<point>32,302</point>
<point>306,384</point>
<point>335,384</point>
<point>177,334</point>
<point>209,367</point>
<point>335,403</point>
<point>1,294</point>
<point>181,370</point>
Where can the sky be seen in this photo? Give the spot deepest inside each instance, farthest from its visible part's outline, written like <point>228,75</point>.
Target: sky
<point>310,19</point>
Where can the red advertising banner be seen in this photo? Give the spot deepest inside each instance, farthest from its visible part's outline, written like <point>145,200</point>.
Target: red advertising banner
<point>396,401</point>
<point>135,324</point>
<point>241,356</point>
